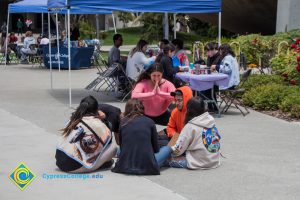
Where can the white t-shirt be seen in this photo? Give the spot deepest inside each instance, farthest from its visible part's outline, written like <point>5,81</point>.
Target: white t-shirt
<point>44,41</point>
<point>136,63</point>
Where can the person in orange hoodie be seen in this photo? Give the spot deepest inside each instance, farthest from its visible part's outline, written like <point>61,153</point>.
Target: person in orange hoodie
<point>176,122</point>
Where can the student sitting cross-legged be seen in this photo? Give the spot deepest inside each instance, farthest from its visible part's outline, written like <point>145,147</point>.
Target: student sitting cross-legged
<point>139,151</point>
<point>199,139</point>
<point>86,143</point>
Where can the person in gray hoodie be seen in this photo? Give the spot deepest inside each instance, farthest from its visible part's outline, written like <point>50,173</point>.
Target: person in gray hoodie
<point>29,47</point>
<point>199,139</point>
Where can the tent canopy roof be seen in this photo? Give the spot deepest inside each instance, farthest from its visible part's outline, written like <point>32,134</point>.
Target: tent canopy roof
<point>170,6</point>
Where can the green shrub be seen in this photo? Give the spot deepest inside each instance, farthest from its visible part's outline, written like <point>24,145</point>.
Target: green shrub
<point>256,80</point>
<point>291,103</point>
<point>266,97</point>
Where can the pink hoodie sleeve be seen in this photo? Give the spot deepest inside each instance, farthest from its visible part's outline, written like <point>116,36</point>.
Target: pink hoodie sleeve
<point>138,92</point>
<point>166,94</point>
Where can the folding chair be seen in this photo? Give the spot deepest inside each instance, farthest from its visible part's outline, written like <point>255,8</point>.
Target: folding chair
<point>107,78</point>
<point>230,97</point>
<point>128,83</point>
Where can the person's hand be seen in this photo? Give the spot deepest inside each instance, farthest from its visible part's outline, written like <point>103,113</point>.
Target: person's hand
<point>213,68</point>
<point>101,114</point>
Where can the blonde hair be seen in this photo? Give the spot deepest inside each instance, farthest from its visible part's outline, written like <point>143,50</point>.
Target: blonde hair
<point>28,34</point>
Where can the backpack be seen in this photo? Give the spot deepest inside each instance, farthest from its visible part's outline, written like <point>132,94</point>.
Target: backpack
<point>211,139</point>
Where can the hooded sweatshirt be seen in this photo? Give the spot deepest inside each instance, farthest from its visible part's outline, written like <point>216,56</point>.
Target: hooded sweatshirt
<point>190,141</point>
<point>176,122</point>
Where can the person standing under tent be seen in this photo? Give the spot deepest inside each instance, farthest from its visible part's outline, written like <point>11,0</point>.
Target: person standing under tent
<point>20,26</point>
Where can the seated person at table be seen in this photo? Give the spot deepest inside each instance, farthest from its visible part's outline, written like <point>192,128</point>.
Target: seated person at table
<point>81,43</point>
<point>180,57</point>
<point>162,44</point>
<point>28,47</point>
<point>213,62</point>
<point>139,151</point>
<point>199,139</point>
<point>213,56</point>
<point>154,92</point>
<point>85,144</point>
<point>176,123</point>
<point>114,55</point>
<point>44,40</point>
<point>229,66</point>
<point>165,59</point>
<point>137,61</point>
<point>13,38</point>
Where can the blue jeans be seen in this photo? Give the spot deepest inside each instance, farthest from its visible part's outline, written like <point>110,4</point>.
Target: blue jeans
<point>178,162</point>
<point>163,154</point>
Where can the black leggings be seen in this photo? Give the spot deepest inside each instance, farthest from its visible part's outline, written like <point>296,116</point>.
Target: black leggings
<point>163,119</point>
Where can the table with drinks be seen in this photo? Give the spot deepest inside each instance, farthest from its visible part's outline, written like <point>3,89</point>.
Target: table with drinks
<point>201,78</point>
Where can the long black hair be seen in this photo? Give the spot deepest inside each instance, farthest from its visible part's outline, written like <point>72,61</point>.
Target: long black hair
<point>87,107</point>
<point>225,49</point>
<point>146,75</point>
<point>196,106</point>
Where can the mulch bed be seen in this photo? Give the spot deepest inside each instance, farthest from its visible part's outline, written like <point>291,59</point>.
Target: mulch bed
<point>280,115</point>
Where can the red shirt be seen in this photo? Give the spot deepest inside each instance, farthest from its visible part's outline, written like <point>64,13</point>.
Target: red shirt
<point>13,39</point>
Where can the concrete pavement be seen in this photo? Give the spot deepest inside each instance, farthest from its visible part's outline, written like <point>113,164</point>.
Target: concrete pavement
<point>262,152</point>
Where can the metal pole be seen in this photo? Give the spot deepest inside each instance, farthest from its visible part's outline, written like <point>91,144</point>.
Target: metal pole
<point>113,18</point>
<point>6,40</point>
<point>50,56</point>
<point>57,41</point>
<point>174,16</point>
<point>69,60</point>
<point>42,23</point>
<point>97,25</point>
<point>219,32</point>
<point>166,26</point>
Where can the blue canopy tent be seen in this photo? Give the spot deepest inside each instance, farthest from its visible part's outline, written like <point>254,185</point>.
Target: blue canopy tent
<point>161,6</point>
<point>40,6</point>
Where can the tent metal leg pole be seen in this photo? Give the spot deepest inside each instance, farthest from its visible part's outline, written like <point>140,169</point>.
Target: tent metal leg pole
<point>50,56</point>
<point>166,26</point>
<point>114,22</point>
<point>69,60</point>
<point>219,31</point>
<point>174,16</point>
<point>57,40</point>
<point>42,23</point>
<point>6,38</point>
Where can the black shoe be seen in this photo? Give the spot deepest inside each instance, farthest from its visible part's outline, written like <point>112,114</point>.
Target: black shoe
<point>107,164</point>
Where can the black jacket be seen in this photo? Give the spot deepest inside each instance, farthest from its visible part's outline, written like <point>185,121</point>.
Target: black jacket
<point>138,143</point>
<point>215,60</point>
<point>169,70</point>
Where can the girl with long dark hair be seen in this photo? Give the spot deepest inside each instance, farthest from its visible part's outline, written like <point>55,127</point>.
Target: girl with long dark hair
<point>86,142</point>
<point>229,66</point>
<point>199,139</point>
<point>154,92</point>
<point>139,150</point>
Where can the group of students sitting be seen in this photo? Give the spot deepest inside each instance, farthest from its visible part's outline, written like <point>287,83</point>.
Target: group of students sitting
<point>191,139</point>
<point>86,144</point>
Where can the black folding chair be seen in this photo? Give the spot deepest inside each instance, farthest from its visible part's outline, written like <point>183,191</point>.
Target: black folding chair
<point>105,79</point>
<point>232,96</point>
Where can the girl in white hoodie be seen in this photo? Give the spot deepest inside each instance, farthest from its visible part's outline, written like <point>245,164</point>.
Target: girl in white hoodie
<point>199,139</point>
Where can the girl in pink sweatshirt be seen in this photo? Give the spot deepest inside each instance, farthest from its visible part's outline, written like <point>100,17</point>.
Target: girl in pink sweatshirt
<point>154,92</point>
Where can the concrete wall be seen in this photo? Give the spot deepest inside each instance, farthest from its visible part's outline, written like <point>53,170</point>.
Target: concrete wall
<point>288,15</point>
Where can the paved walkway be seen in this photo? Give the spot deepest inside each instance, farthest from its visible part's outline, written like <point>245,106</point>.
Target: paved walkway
<point>262,152</point>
